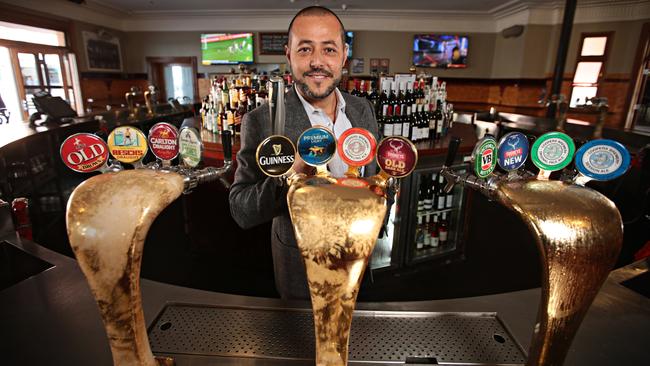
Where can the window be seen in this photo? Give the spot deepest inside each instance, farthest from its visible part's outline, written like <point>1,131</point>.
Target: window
<point>590,65</point>
<point>25,33</point>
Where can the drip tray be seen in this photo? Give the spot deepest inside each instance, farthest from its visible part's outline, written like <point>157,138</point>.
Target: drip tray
<point>377,337</point>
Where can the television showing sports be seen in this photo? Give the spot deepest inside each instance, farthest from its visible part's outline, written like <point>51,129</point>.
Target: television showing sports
<point>349,39</point>
<point>220,49</point>
<point>441,51</point>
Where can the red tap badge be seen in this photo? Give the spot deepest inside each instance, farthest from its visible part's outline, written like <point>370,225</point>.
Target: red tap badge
<point>397,156</point>
<point>356,147</point>
<point>163,141</point>
<point>84,152</point>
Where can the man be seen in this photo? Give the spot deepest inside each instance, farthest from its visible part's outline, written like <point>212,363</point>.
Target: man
<point>316,52</point>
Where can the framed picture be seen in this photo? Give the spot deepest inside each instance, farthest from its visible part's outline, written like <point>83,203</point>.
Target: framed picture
<point>358,65</point>
<point>273,43</point>
<point>102,51</point>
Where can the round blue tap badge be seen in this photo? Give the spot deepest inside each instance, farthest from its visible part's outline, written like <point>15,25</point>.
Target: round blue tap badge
<point>512,151</point>
<point>602,159</point>
<point>316,146</point>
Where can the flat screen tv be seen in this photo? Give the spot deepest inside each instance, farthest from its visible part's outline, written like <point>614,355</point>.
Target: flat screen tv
<point>442,51</point>
<point>220,49</point>
<point>349,39</point>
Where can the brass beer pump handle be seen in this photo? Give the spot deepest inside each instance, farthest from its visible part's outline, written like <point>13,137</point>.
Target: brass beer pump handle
<point>108,217</point>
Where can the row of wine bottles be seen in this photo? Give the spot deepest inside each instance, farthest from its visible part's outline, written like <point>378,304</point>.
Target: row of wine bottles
<point>432,196</point>
<point>432,231</point>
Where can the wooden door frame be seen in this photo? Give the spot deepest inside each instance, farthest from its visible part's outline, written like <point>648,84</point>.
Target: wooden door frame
<point>154,69</point>
<point>635,77</point>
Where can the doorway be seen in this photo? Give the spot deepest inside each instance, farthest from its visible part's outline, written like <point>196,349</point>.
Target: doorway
<point>175,77</point>
<point>638,117</point>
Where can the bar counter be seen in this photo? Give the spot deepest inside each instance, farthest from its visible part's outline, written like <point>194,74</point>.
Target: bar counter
<point>51,318</point>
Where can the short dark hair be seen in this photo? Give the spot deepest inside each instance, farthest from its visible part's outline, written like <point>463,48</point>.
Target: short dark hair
<point>316,11</point>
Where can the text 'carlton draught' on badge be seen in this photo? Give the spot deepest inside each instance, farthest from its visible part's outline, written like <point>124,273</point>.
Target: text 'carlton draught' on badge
<point>512,151</point>
<point>602,159</point>
<point>84,152</point>
<point>485,156</point>
<point>190,146</point>
<point>163,141</point>
<point>552,151</point>
<point>397,156</point>
<point>127,144</point>
<point>275,155</point>
<point>316,146</point>
<point>356,147</point>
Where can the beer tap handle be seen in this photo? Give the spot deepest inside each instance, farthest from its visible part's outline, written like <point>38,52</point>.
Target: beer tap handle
<point>226,142</point>
<point>452,150</point>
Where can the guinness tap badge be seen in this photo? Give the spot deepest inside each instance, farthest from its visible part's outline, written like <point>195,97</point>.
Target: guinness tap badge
<point>84,152</point>
<point>397,156</point>
<point>275,155</point>
<point>127,144</point>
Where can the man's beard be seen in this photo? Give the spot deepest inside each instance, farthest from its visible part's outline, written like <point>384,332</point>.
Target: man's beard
<point>307,92</point>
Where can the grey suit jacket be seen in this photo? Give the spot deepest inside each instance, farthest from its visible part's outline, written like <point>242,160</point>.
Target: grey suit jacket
<point>256,198</point>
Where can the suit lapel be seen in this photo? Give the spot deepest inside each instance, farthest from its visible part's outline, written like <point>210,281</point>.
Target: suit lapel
<point>296,118</point>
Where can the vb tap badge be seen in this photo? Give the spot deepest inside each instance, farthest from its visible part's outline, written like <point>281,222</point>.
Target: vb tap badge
<point>127,144</point>
<point>275,155</point>
<point>163,141</point>
<point>512,151</point>
<point>84,153</point>
<point>485,156</point>
<point>602,160</point>
<point>316,146</point>
<point>396,156</point>
<point>190,147</point>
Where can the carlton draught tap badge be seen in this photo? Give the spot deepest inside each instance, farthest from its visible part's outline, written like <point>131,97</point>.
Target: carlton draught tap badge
<point>485,156</point>
<point>275,155</point>
<point>396,156</point>
<point>163,141</point>
<point>84,152</point>
<point>127,144</point>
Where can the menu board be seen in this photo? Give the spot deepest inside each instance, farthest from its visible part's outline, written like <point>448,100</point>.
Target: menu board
<point>273,43</point>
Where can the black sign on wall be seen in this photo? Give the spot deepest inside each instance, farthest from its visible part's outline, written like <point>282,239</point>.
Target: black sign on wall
<point>273,43</point>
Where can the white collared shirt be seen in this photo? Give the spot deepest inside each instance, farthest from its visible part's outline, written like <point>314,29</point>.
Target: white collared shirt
<point>318,117</point>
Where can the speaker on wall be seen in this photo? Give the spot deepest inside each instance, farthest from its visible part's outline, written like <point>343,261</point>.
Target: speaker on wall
<point>513,32</point>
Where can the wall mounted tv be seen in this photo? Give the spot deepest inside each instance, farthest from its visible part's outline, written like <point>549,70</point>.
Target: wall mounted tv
<point>441,51</point>
<point>220,49</point>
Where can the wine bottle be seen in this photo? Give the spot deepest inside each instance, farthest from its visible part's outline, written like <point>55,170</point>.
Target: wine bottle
<point>419,235</point>
<point>443,229</point>
<point>406,123</point>
<point>441,192</point>
<point>433,233</point>
<point>428,194</point>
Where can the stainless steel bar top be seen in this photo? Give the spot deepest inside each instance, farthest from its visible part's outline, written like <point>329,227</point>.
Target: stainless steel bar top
<point>51,318</point>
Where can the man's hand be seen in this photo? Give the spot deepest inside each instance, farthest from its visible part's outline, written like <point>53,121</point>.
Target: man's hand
<point>299,166</point>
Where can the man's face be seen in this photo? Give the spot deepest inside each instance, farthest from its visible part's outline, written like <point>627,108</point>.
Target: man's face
<point>316,55</point>
<point>455,55</point>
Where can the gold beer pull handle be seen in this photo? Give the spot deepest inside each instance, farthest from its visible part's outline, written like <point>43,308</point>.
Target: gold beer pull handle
<point>578,233</point>
<point>107,220</point>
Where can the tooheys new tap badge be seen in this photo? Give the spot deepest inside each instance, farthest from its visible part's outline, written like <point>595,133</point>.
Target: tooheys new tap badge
<point>84,152</point>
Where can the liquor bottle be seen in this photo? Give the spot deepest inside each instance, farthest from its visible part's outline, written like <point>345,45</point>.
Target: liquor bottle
<point>422,193</point>
<point>428,193</point>
<point>406,123</point>
<point>449,199</point>
<point>440,190</point>
<point>234,96</point>
<point>362,90</point>
<point>419,235</point>
<point>427,226</point>
<point>433,233</point>
<point>225,94</point>
<point>443,229</point>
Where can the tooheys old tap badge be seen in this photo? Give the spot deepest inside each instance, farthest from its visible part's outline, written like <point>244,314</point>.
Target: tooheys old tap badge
<point>602,159</point>
<point>396,156</point>
<point>552,151</point>
<point>275,155</point>
<point>190,147</point>
<point>127,144</point>
<point>512,151</point>
<point>84,152</point>
<point>484,156</point>
<point>163,141</point>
